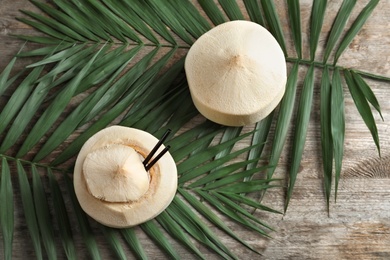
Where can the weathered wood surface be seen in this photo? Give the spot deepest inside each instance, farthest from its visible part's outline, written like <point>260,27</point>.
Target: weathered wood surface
<point>358,226</point>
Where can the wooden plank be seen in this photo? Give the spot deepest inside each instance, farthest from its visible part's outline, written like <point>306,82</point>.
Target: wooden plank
<point>358,226</point>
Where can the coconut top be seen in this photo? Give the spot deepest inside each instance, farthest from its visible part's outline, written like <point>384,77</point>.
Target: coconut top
<point>236,68</point>
<point>115,173</point>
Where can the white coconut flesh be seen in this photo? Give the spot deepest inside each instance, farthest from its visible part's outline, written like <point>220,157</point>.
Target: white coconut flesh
<point>236,73</point>
<point>111,183</point>
<point>121,175</point>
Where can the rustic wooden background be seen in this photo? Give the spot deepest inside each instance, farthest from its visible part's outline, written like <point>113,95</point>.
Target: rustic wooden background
<point>359,223</point>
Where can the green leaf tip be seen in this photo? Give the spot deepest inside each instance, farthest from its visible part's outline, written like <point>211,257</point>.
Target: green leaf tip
<point>363,107</point>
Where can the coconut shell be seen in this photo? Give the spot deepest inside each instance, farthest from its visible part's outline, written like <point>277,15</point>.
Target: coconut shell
<point>236,73</point>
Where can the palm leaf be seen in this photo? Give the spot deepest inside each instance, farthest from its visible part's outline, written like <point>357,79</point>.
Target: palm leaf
<point>17,99</point>
<point>45,50</point>
<point>29,209</point>
<point>166,14</point>
<point>236,207</point>
<point>252,186</point>
<point>210,215</point>
<point>197,228</point>
<point>212,11</point>
<point>148,16</point>
<point>137,80</point>
<point>250,202</point>
<point>83,110</point>
<point>285,114</point>
<point>75,14</point>
<point>113,240</point>
<point>133,79</point>
<point>233,178</point>
<point>61,215</point>
<point>355,28</point>
<point>7,209</point>
<point>273,22</point>
<point>230,211</point>
<point>121,31</point>
<point>88,11</point>
<point>40,39</point>
<point>64,19</point>
<point>230,133</point>
<point>337,125</point>
<point>363,107</point>
<point>66,64</point>
<point>30,107</point>
<point>5,75</point>
<point>259,139</point>
<point>54,110</point>
<point>338,26</point>
<point>192,20</point>
<point>219,173</point>
<point>155,233</point>
<point>365,88</point>
<point>132,240</point>
<point>326,117</point>
<point>302,121</point>
<point>187,169</point>
<point>372,75</point>
<point>295,20</point>
<point>55,26</point>
<point>45,29</point>
<point>316,21</point>
<point>254,10</point>
<point>83,223</point>
<point>177,232</point>
<point>43,214</point>
<point>231,9</point>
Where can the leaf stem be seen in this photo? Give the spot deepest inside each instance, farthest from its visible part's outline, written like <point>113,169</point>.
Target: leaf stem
<point>372,76</point>
<point>308,62</point>
<point>158,45</point>
<point>333,67</point>
<point>39,165</point>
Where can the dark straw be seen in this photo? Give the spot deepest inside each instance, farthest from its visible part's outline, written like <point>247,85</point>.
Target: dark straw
<point>147,167</point>
<point>154,150</point>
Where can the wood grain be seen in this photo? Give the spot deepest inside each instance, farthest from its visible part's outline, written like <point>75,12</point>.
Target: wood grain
<point>358,226</point>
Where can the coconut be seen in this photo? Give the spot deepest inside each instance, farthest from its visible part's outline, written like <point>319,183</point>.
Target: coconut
<point>236,73</point>
<point>112,184</point>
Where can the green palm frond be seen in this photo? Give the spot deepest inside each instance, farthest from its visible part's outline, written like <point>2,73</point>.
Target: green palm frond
<point>302,122</point>
<point>338,26</point>
<point>82,221</point>
<point>337,129</point>
<point>363,106</point>
<point>327,136</point>
<point>334,114</point>
<point>121,62</point>
<point>7,205</point>
<point>273,23</point>
<point>29,209</point>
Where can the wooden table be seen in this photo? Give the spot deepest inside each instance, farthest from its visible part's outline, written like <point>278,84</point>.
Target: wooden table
<point>358,226</point>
